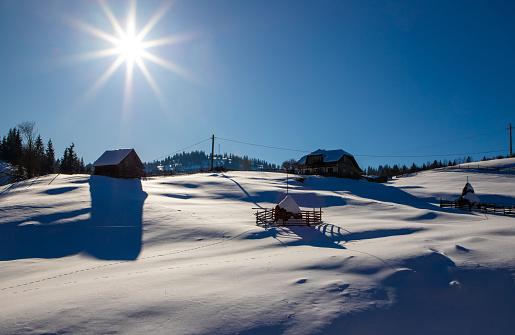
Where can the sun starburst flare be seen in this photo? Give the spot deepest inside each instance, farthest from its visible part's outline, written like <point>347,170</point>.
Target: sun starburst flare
<point>130,47</point>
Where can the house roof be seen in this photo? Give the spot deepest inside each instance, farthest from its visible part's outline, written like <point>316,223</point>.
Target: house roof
<point>328,156</point>
<point>112,157</point>
<point>289,205</point>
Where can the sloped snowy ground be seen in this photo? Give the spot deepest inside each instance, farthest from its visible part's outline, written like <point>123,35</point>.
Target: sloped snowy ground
<point>6,170</point>
<point>182,255</point>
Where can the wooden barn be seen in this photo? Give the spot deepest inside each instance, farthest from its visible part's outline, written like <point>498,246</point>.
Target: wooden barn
<point>121,163</point>
<point>337,163</point>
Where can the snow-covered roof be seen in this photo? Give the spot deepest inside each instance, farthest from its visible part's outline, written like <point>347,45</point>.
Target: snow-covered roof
<point>289,205</point>
<point>328,156</point>
<point>472,197</point>
<point>112,157</point>
<point>468,188</point>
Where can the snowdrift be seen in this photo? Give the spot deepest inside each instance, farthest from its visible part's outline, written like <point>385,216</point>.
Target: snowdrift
<point>183,255</point>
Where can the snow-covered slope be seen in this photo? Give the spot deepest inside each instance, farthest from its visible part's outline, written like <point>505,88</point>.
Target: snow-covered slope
<point>6,170</point>
<point>182,255</point>
<point>495,163</point>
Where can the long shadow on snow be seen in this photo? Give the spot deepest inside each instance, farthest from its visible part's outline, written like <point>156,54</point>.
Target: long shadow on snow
<point>115,228</point>
<point>373,191</point>
<point>478,302</point>
<point>303,199</point>
<point>113,231</point>
<point>325,235</point>
<point>341,235</point>
<point>296,235</point>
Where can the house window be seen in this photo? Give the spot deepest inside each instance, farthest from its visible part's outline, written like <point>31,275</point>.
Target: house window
<point>315,159</point>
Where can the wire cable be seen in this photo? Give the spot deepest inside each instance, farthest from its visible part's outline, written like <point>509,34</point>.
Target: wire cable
<point>358,155</point>
<point>263,146</point>
<point>425,156</point>
<point>173,153</point>
<point>453,141</point>
<point>365,155</point>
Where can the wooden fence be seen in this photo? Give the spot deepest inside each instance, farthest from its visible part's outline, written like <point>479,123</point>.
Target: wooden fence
<point>267,216</point>
<point>480,167</point>
<point>487,208</point>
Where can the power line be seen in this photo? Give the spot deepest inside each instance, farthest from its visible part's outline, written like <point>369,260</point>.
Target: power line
<point>376,156</point>
<point>358,155</point>
<point>261,145</point>
<point>173,153</point>
<point>453,141</point>
<point>425,156</point>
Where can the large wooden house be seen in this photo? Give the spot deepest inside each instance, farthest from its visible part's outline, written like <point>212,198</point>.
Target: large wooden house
<point>121,163</point>
<point>336,163</point>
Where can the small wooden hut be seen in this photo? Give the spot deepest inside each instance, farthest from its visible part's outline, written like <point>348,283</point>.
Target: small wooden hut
<point>121,163</point>
<point>288,212</point>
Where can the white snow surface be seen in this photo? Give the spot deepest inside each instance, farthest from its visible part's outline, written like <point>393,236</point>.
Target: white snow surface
<point>494,163</point>
<point>5,167</point>
<point>6,170</point>
<point>182,255</point>
<point>289,204</point>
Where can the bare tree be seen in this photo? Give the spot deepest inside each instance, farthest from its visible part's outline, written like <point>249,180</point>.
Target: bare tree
<point>289,165</point>
<point>29,134</point>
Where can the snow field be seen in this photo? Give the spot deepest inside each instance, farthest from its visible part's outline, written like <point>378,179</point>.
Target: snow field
<point>189,259</point>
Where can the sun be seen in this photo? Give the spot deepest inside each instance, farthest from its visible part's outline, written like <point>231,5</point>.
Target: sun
<point>130,47</point>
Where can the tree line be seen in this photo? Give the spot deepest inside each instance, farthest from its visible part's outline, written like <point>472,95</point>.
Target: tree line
<point>386,170</point>
<point>201,160</point>
<point>24,149</point>
<point>396,170</point>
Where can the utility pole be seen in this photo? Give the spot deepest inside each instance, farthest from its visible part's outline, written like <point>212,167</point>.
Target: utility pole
<point>212,151</point>
<point>510,128</point>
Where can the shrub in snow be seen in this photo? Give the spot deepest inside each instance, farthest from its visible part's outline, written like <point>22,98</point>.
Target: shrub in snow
<point>300,179</point>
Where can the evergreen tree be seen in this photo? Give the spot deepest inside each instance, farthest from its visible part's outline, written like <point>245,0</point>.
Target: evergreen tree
<point>69,162</point>
<point>395,170</point>
<point>82,167</point>
<point>246,163</point>
<point>49,163</point>
<point>39,156</point>
<point>12,147</point>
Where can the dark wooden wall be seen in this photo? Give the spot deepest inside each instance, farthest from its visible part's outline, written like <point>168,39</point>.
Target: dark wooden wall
<point>130,167</point>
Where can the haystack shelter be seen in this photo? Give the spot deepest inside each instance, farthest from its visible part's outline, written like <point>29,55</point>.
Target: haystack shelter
<point>336,163</point>
<point>121,163</point>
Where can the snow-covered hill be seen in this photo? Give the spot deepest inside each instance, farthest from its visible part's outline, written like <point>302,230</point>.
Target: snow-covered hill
<point>182,255</point>
<point>6,172</point>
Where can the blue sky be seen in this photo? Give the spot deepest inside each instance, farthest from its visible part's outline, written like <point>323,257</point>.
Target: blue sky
<point>388,81</point>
